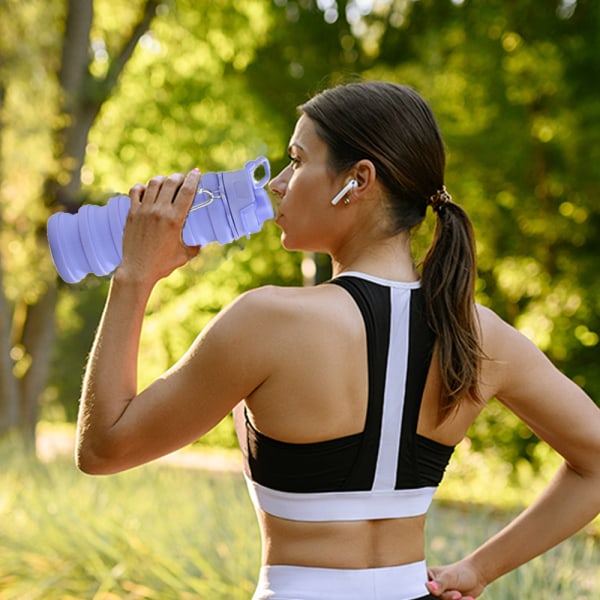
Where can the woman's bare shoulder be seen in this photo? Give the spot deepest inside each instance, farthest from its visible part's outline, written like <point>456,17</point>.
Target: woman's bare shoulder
<point>297,302</point>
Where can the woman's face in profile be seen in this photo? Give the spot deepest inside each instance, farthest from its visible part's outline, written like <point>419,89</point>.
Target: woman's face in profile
<point>304,189</point>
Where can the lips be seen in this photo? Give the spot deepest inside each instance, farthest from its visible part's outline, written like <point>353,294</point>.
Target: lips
<point>279,215</point>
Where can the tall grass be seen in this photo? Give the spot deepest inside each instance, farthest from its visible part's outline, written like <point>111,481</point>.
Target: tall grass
<point>154,532</point>
<point>164,533</point>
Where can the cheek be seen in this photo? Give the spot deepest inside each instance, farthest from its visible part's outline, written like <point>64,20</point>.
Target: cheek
<point>302,226</point>
<point>308,230</point>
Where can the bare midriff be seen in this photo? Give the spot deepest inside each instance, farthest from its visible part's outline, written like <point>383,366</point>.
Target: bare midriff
<point>343,544</point>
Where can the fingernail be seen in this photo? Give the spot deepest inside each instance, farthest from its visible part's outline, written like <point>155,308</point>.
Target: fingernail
<point>196,170</point>
<point>434,586</point>
<point>456,596</point>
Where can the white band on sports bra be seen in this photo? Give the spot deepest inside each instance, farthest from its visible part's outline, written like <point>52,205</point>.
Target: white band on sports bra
<point>341,506</point>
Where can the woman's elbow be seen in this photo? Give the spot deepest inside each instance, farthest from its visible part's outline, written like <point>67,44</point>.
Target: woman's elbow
<point>92,462</point>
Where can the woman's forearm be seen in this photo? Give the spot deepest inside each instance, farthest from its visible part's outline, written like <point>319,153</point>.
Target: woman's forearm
<point>570,502</point>
<point>152,249</point>
<point>110,379</point>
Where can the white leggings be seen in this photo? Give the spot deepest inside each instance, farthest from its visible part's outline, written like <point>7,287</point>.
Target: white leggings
<point>283,582</point>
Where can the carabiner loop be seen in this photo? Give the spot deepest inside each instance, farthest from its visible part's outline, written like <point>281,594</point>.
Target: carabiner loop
<point>211,197</point>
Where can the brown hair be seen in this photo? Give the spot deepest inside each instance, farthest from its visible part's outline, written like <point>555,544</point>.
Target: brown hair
<point>392,126</point>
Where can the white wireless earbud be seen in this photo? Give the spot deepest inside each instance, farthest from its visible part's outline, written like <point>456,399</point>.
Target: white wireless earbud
<point>349,186</point>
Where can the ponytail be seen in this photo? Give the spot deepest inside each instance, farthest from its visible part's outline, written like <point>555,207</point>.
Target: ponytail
<point>448,283</point>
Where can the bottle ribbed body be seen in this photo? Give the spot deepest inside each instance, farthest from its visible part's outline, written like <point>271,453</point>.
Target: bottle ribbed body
<point>228,205</point>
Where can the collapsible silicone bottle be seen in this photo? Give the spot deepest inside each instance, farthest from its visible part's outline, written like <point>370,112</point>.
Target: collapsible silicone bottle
<point>228,205</point>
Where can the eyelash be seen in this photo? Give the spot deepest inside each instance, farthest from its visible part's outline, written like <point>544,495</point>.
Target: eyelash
<point>294,160</point>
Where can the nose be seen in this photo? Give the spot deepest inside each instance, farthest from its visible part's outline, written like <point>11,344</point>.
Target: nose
<point>278,184</point>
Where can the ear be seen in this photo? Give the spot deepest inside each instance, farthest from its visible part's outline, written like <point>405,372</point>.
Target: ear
<point>365,174</point>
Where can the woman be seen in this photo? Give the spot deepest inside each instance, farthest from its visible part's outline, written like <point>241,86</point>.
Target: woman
<point>350,395</point>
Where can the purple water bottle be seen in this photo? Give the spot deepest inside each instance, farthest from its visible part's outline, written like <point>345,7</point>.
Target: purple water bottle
<point>228,205</point>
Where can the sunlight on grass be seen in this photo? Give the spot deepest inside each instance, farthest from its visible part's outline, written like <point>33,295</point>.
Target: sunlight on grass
<point>153,532</point>
<point>161,532</point>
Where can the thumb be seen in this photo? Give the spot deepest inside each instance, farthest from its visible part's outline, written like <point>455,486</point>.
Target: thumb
<point>433,588</point>
<point>438,591</point>
<point>443,584</point>
<point>433,585</point>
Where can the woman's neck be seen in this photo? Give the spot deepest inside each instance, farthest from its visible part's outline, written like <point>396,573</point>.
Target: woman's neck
<point>388,258</point>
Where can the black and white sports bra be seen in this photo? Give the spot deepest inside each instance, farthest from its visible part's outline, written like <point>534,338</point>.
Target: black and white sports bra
<point>385,471</point>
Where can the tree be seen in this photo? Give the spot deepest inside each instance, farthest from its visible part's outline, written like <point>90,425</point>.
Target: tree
<point>79,98</point>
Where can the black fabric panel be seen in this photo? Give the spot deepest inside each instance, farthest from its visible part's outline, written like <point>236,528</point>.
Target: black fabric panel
<point>343,464</point>
<point>421,342</point>
<point>313,467</point>
<point>374,303</point>
<point>432,460</point>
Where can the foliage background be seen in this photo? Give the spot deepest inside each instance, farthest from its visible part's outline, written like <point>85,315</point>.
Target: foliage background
<point>515,86</point>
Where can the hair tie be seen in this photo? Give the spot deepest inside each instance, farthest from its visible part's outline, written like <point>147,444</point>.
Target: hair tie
<point>438,200</point>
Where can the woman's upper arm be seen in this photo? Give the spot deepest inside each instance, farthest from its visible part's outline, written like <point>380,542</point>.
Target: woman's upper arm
<point>225,363</point>
<point>553,406</point>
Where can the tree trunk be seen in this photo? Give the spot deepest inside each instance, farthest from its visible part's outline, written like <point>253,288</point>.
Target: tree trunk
<point>9,398</point>
<point>9,393</point>
<point>38,338</point>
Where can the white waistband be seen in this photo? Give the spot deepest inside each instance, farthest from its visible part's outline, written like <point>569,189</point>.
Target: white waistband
<point>341,506</point>
<point>283,582</point>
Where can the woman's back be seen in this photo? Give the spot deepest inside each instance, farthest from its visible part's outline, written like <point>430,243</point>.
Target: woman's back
<point>340,416</point>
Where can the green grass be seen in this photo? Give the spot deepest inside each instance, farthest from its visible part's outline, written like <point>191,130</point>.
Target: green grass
<point>164,533</point>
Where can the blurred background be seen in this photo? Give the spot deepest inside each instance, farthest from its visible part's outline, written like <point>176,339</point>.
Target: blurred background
<point>97,95</point>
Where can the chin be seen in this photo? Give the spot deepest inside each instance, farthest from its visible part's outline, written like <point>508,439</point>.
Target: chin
<point>297,246</point>
<point>286,242</point>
